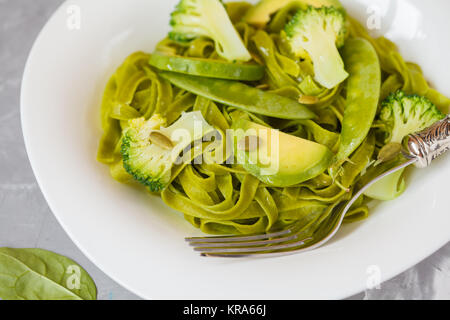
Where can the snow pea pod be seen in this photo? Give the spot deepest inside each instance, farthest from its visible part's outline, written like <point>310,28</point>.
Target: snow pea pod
<point>241,96</point>
<point>208,67</point>
<point>363,92</point>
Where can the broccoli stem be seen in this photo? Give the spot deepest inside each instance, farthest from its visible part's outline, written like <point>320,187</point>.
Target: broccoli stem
<point>328,65</point>
<point>228,41</point>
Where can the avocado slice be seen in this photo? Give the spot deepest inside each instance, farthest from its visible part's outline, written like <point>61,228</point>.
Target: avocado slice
<point>259,15</point>
<point>278,159</point>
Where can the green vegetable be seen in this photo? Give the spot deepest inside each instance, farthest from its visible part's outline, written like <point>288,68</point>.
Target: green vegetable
<point>208,68</point>
<point>149,151</point>
<point>260,14</point>
<point>279,159</point>
<point>389,188</point>
<point>208,18</point>
<point>318,33</point>
<point>35,274</point>
<point>241,96</point>
<point>402,115</point>
<point>363,91</point>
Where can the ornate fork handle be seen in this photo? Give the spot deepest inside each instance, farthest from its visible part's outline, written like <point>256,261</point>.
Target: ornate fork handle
<point>429,144</point>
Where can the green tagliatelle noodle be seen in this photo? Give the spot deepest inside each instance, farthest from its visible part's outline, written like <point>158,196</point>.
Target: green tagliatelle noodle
<point>225,199</point>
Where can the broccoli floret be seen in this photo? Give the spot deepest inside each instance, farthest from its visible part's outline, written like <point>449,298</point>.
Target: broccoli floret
<point>208,18</point>
<point>318,33</point>
<point>150,160</point>
<point>146,162</point>
<point>404,114</point>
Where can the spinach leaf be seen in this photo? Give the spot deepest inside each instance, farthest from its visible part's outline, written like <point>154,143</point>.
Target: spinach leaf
<point>36,274</point>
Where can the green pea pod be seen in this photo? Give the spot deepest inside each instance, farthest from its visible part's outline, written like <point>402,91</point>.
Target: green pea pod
<point>208,67</point>
<point>363,92</point>
<point>241,96</point>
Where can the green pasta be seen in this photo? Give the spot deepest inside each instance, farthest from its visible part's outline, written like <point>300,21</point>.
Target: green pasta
<point>223,198</point>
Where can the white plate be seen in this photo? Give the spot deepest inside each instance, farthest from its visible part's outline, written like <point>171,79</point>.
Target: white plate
<point>135,238</point>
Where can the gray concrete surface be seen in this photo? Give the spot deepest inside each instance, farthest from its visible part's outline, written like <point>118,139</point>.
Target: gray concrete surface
<point>26,220</point>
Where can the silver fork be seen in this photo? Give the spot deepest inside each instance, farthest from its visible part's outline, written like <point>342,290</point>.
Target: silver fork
<point>422,149</point>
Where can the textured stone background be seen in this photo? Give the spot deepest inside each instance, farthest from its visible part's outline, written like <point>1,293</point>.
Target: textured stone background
<point>26,220</point>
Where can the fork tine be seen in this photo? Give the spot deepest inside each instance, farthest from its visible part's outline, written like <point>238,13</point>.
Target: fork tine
<point>243,244</point>
<point>239,238</point>
<point>254,254</point>
<point>250,250</point>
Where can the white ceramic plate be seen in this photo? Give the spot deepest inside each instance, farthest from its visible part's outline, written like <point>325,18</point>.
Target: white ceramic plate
<point>135,238</point>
